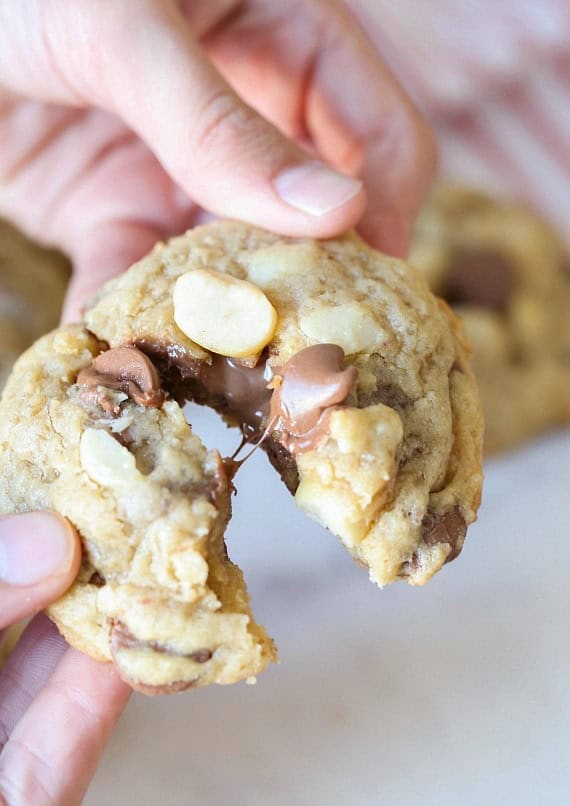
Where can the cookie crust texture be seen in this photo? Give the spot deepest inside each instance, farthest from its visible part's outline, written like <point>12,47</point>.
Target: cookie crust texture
<point>507,274</point>
<point>395,474</point>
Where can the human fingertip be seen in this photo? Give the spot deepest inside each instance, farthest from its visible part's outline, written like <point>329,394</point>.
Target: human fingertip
<point>314,188</point>
<point>36,546</point>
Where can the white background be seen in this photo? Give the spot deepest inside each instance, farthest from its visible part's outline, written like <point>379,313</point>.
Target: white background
<point>455,693</point>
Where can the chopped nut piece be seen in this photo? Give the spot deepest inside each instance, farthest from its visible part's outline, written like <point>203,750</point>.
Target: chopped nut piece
<point>222,314</point>
<point>351,326</point>
<point>107,461</point>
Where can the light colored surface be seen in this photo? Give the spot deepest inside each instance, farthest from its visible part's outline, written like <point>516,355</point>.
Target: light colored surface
<point>456,693</point>
<point>494,80</point>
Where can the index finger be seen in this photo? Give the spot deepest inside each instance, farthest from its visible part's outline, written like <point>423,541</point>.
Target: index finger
<point>311,70</point>
<point>363,122</point>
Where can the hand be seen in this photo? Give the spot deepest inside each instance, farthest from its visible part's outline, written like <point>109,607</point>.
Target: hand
<point>118,121</point>
<point>121,123</point>
<point>57,706</point>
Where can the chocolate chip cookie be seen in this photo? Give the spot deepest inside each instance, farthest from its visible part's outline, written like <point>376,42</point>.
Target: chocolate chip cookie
<point>506,273</point>
<point>32,285</point>
<point>335,360</point>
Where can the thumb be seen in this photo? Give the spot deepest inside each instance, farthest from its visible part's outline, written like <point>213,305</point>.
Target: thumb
<point>155,76</point>
<point>39,558</point>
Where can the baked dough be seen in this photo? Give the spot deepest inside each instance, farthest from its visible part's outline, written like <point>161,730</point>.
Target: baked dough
<point>506,273</point>
<point>360,392</point>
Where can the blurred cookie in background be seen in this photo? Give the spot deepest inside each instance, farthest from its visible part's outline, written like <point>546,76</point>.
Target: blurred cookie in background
<point>507,274</point>
<point>33,281</point>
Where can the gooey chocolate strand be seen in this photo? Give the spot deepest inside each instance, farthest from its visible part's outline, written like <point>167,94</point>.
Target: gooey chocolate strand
<point>296,406</point>
<point>303,391</point>
<point>243,388</point>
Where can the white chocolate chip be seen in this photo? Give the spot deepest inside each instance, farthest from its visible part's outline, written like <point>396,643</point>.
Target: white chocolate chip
<point>222,314</point>
<point>105,460</point>
<point>351,326</point>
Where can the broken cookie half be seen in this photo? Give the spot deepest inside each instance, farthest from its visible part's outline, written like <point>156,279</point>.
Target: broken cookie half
<point>333,358</point>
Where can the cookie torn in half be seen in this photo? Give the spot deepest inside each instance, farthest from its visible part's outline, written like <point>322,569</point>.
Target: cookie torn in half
<point>335,359</point>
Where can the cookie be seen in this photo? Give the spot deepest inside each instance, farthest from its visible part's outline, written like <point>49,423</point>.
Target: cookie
<point>156,592</point>
<point>334,359</point>
<point>506,273</point>
<point>32,286</point>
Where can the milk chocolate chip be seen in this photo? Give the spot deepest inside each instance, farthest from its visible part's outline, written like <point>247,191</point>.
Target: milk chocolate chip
<point>283,462</point>
<point>124,369</point>
<point>389,394</point>
<point>122,638</point>
<point>309,384</point>
<point>445,527</point>
<point>479,277</point>
<point>170,688</point>
<point>97,579</point>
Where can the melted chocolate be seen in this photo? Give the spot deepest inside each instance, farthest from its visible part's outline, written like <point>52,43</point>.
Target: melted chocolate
<point>124,369</point>
<point>306,388</point>
<point>243,388</point>
<point>284,462</point>
<point>295,410</point>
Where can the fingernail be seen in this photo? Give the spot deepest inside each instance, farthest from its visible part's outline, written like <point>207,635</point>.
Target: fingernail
<point>315,189</point>
<point>34,546</point>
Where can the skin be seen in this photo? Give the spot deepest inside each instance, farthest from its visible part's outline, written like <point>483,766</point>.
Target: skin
<point>228,95</point>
